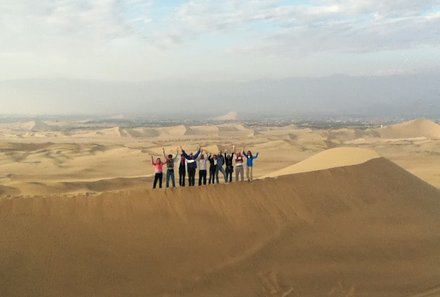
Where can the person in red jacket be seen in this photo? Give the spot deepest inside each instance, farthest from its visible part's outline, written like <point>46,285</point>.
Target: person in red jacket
<point>158,171</point>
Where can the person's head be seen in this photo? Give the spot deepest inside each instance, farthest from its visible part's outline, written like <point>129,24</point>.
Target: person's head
<point>239,154</point>
<point>158,160</point>
<point>249,153</point>
<point>228,155</point>
<point>191,154</point>
<point>202,156</point>
<point>170,156</point>
<point>215,157</point>
<point>220,152</point>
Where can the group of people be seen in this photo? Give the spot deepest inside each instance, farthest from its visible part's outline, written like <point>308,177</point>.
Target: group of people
<point>224,163</point>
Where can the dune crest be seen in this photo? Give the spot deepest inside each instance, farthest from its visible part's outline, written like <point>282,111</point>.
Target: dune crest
<point>411,129</point>
<point>336,157</point>
<point>231,116</point>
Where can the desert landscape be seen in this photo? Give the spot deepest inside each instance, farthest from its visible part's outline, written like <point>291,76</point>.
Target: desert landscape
<point>334,211</point>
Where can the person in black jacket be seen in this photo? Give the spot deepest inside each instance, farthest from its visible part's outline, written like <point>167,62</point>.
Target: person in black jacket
<point>182,170</point>
<point>191,161</point>
<point>212,167</point>
<point>229,158</point>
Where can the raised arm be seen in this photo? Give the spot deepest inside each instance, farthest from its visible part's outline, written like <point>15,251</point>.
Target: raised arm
<point>198,153</point>
<point>164,155</point>
<point>256,155</point>
<point>184,154</point>
<point>152,161</point>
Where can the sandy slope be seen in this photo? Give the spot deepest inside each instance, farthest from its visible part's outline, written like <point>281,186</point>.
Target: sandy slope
<point>337,157</point>
<point>411,129</point>
<point>364,230</point>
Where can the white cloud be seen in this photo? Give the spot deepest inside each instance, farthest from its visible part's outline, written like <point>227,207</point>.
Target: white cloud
<point>125,38</point>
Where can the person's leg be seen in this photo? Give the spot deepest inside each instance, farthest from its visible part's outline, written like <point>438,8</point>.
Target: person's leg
<point>173,178</point>
<point>200,177</point>
<point>242,173</point>
<point>251,173</point>
<point>247,173</point>
<point>167,179</point>
<point>156,176</point>
<point>216,175</point>
<point>192,177</point>
<point>182,177</point>
<point>204,176</point>
<point>222,170</point>
<point>227,174</point>
<point>213,174</point>
<point>230,176</point>
<point>160,179</point>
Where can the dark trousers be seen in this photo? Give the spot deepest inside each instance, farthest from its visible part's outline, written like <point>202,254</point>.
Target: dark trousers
<point>170,175</point>
<point>212,171</point>
<point>157,178</point>
<point>182,174</point>
<point>229,171</point>
<point>191,176</point>
<point>202,177</point>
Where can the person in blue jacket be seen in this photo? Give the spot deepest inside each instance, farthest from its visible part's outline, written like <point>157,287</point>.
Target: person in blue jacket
<point>191,163</point>
<point>250,164</point>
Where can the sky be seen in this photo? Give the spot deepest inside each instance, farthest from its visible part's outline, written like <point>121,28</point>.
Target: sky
<point>212,40</point>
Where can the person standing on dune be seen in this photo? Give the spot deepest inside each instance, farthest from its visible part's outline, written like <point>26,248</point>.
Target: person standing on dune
<point>239,167</point>
<point>182,170</point>
<point>212,167</point>
<point>250,164</point>
<point>191,161</point>
<point>220,162</point>
<point>170,168</point>
<point>202,170</point>
<point>158,171</point>
<point>229,159</point>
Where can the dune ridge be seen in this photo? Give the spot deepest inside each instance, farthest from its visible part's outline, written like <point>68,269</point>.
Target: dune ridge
<point>336,157</point>
<point>412,129</point>
<point>348,227</point>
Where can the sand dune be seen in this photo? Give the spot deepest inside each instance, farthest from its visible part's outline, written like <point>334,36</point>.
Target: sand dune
<point>231,116</point>
<point>208,131</point>
<point>337,157</point>
<point>412,129</point>
<point>365,230</point>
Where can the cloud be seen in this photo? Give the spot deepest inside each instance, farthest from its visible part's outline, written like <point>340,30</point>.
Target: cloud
<point>315,26</point>
<point>131,38</point>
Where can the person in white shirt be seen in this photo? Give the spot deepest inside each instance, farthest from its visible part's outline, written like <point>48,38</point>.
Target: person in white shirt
<point>239,167</point>
<point>202,170</point>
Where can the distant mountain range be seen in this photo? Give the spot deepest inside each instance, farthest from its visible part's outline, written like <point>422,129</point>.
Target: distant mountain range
<point>396,95</point>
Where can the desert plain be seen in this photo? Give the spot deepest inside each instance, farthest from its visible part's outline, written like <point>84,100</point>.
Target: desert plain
<point>333,211</point>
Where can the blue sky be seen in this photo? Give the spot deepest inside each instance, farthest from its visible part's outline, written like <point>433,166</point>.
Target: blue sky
<point>135,40</point>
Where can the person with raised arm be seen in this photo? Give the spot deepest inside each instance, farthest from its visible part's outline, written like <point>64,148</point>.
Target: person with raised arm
<point>229,159</point>
<point>239,166</point>
<point>182,170</point>
<point>212,158</point>
<point>191,161</point>
<point>250,164</point>
<point>202,169</point>
<point>220,163</point>
<point>170,168</point>
<point>158,171</point>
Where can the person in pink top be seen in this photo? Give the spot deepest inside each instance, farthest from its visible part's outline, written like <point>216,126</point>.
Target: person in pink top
<point>158,171</point>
